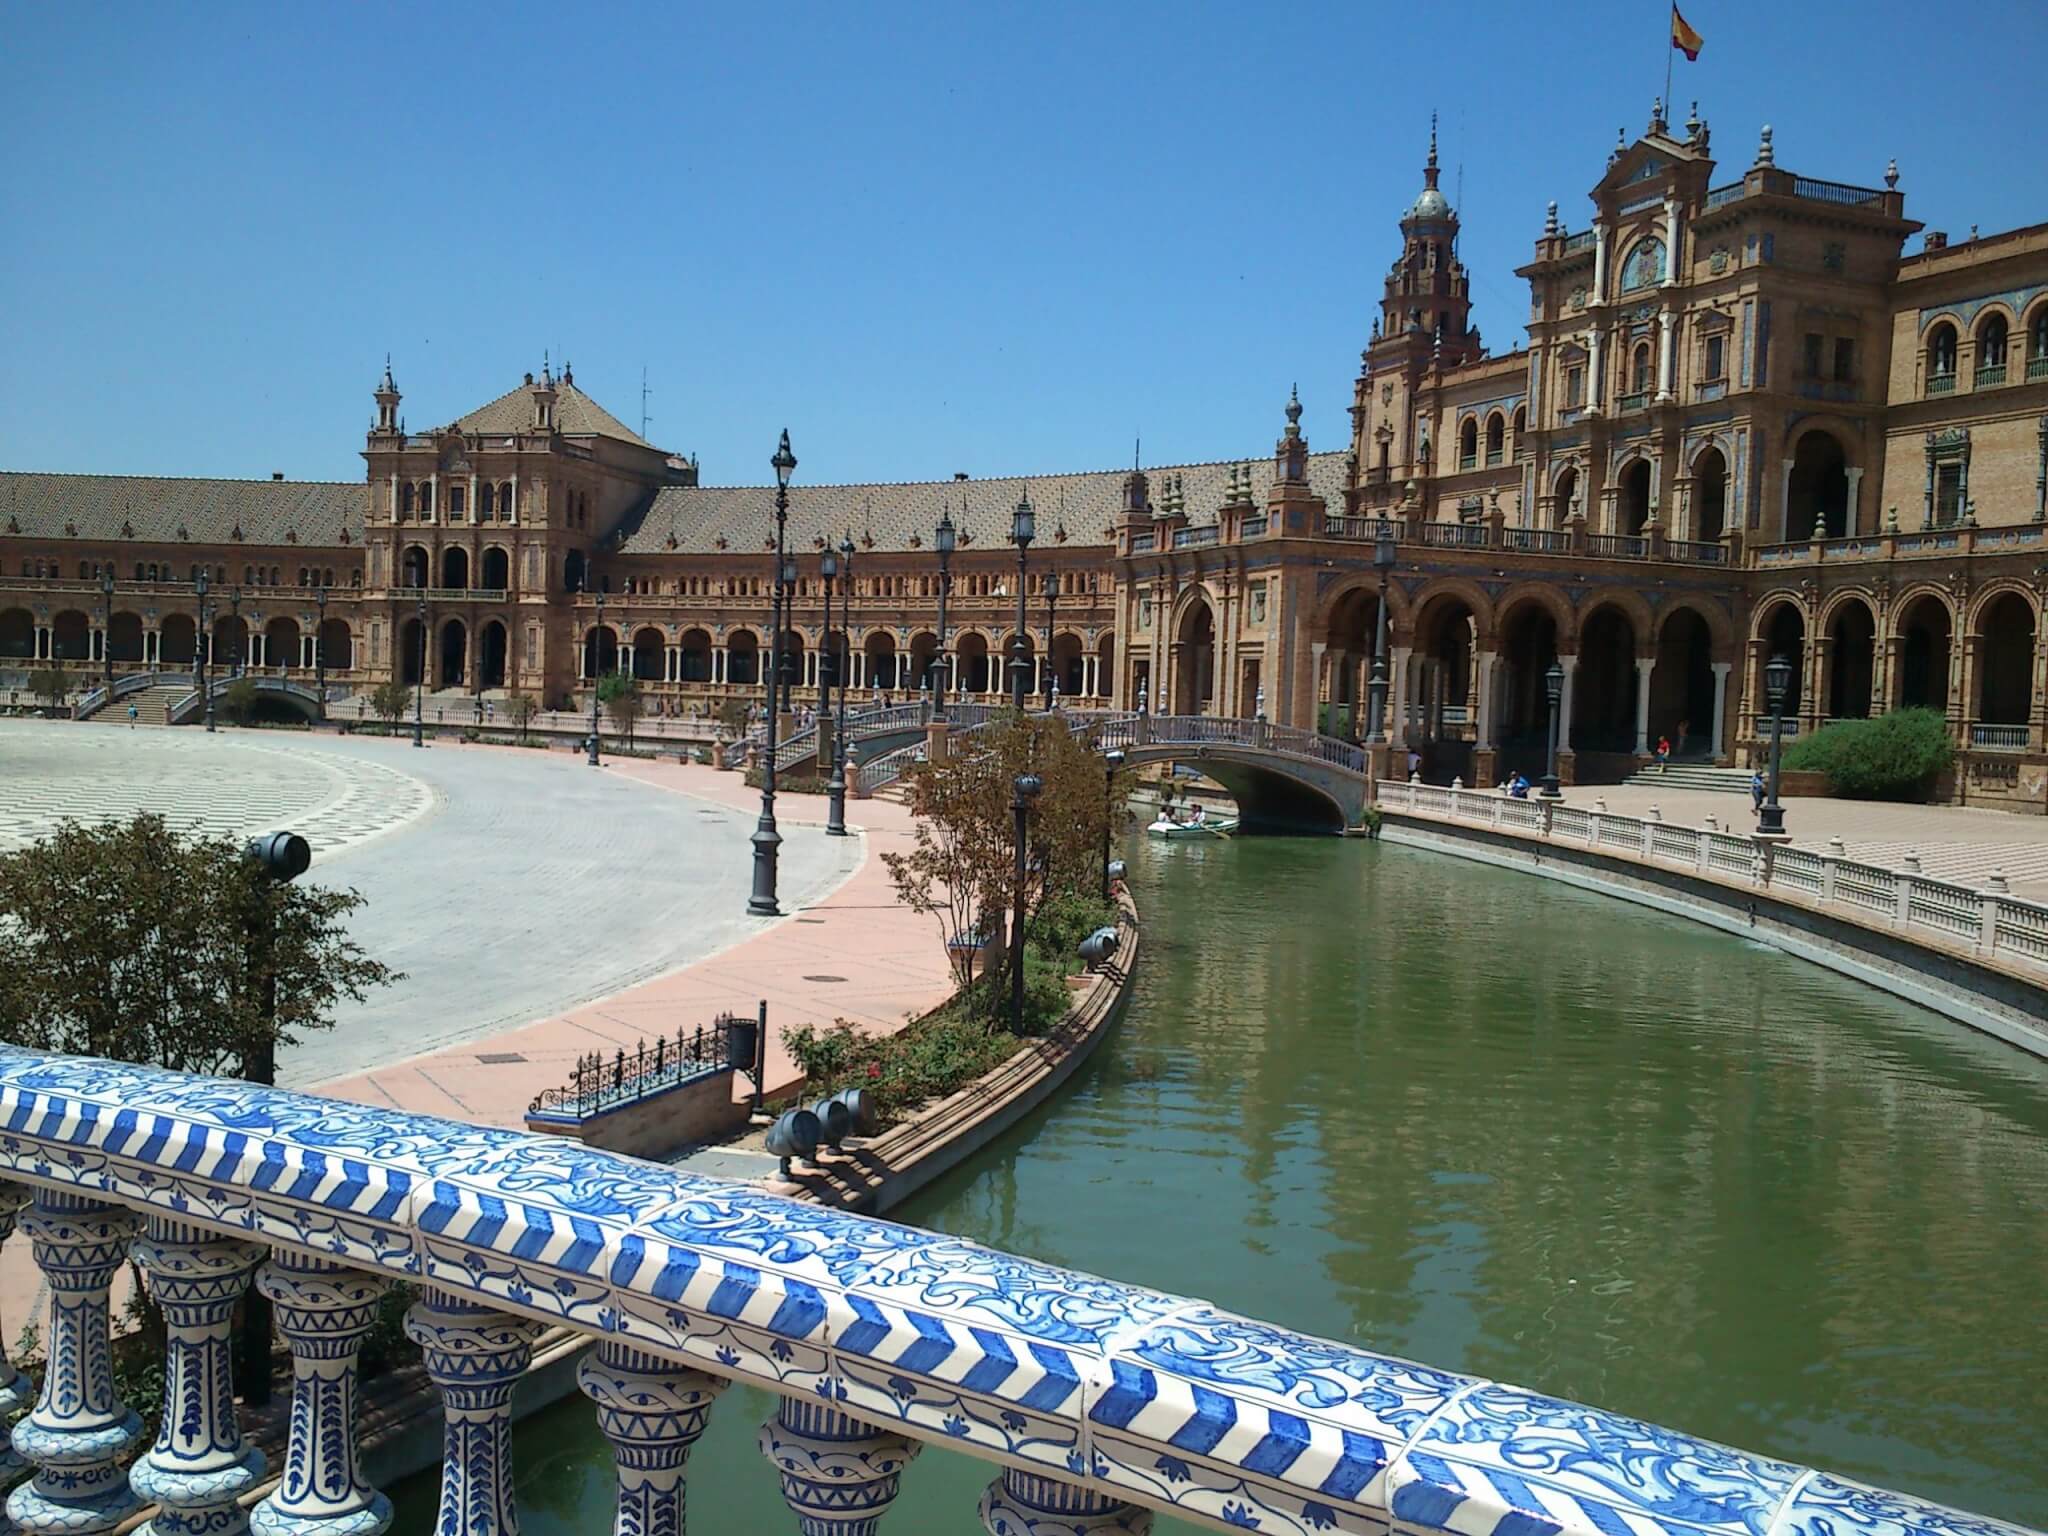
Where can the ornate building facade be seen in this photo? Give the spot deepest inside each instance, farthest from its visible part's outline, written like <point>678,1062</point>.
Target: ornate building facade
<point>1746,422</point>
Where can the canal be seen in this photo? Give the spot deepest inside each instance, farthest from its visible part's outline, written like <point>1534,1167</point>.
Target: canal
<point>1504,1127</point>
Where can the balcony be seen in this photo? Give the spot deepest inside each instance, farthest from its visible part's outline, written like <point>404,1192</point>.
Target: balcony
<point>1468,461</point>
<point>1699,552</point>
<point>1195,538</point>
<point>2037,367</point>
<point>1989,374</point>
<point>1636,400</point>
<point>464,594</point>
<point>1999,738</point>
<point>1538,541</point>
<point>1838,193</point>
<point>1618,546</point>
<point>1941,384</point>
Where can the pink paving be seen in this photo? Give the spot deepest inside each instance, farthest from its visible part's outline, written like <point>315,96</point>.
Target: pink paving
<point>884,962</point>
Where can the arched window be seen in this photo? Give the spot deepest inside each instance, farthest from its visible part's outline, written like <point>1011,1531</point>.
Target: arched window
<point>2037,343</point>
<point>1645,265</point>
<point>1639,369</point>
<point>455,501</point>
<point>1941,359</point>
<point>1521,430</point>
<point>1496,437</point>
<point>405,499</point>
<point>486,499</point>
<point>507,503</point>
<point>427,498</point>
<point>1991,338</point>
<point>1468,442</point>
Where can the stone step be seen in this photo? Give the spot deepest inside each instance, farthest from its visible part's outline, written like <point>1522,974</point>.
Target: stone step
<point>1734,781</point>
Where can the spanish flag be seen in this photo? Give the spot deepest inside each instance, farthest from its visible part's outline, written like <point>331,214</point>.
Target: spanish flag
<point>1684,39</point>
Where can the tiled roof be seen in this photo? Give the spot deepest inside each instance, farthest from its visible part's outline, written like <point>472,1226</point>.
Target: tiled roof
<point>576,415</point>
<point>313,513</point>
<point>697,518</point>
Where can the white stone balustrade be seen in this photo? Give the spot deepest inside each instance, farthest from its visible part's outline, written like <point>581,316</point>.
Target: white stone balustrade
<point>1100,1403</point>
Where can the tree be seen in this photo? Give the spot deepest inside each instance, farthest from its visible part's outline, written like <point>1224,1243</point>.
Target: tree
<point>50,685</point>
<point>130,941</point>
<point>391,700</point>
<point>239,701</point>
<point>522,707</point>
<point>619,692</point>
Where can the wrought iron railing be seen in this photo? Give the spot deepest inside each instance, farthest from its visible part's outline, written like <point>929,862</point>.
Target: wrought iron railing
<point>1990,373</point>
<point>1627,546</point>
<point>1836,192</point>
<point>1720,197</point>
<point>1539,541</point>
<point>1999,738</point>
<point>599,1082</point>
<point>1941,383</point>
<point>1195,538</point>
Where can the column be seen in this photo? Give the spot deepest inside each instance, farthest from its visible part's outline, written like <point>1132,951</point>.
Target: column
<point>1397,699</point>
<point>1645,665</point>
<point>1025,1504</point>
<point>1785,533</point>
<point>16,1391</point>
<point>652,1411</point>
<point>79,1432</point>
<point>1667,354</point>
<point>475,1355</point>
<point>1720,729</point>
<point>1596,368</point>
<point>1315,651</point>
<point>515,496</point>
<point>323,1311</point>
<point>1564,701</point>
<point>1815,688</point>
<point>1672,246</point>
<point>1483,735</point>
<point>838,1475</point>
<point>199,1467</point>
<point>1852,523</point>
<point>1599,263</point>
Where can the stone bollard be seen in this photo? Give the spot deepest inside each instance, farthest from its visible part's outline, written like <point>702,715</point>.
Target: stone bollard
<point>1911,863</point>
<point>1998,885</point>
<point>1653,814</point>
<point>1837,848</point>
<point>1713,823</point>
<point>1457,781</point>
<point>1599,807</point>
<point>1415,778</point>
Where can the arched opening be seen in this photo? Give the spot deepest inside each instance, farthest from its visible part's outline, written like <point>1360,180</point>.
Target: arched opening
<point>486,502</point>
<point>880,650</point>
<point>573,571</point>
<point>1441,701</point>
<point>18,634</point>
<point>789,662</point>
<point>71,636</point>
<point>2037,342</point>
<point>1566,496</point>
<point>650,655</point>
<point>971,658</point>
<point>920,672</point>
<point>1924,634</point>
<point>1194,659</point>
<point>1354,620</point>
<point>1941,358</point>
<point>1604,691</point>
<point>411,652</point>
<point>1496,437</point>
<point>230,646</point>
<point>1468,443</point>
<point>1105,665</point>
<point>1639,369</point>
<point>281,643</point>
<point>1710,496</point>
<point>1020,655</point>
<point>124,637</point>
<point>694,664</point>
<point>497,570</point>
<point>743,657</point>
<point>492,648</point>
<point>337,645</point>
<point>1528,645</point>
<point>1992,333</point>
<point>413,566</point>
<point>455,568</point>
<point>454,653</point>
<point>407,499</point>
<point>1521,429</point>
<point>1851,660</point>
<point>2005,660</point>
<point>1817,495</point>
<point>835,660</point>
<point>1682,684</point>
<point>177,640</point>
<point>1784,635</point>
<point>600,651</point>
<point>1635,497</point>
<point>1068,669</point>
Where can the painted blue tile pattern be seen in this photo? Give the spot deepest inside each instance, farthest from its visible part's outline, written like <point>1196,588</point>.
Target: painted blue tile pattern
<point>1170,1403</point>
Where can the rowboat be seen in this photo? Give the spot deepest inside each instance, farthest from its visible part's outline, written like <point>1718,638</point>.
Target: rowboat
<point>1166,827</point>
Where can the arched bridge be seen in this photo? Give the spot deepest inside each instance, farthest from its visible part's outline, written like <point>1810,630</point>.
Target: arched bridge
<point>302,698</point>
<point>1284,779</point>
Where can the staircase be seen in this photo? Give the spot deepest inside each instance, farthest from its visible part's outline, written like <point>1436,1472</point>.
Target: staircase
<point>152,705</point>
<point>1731,781</point>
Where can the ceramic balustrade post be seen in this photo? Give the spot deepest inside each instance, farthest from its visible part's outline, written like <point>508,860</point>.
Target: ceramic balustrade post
<point>79,1431</point>
<point>475,1355</point>
<point>652,1411</point>
<point>1026,1504</point>
<point>199,1467</point>
<point>324,1310</point>
<point>17,1392</point>
<point>839,1475</point>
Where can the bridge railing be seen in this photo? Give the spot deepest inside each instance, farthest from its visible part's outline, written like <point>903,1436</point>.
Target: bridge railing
<point>1991,923</point>
<point>1259,735</point>
<point>1097,1401</point>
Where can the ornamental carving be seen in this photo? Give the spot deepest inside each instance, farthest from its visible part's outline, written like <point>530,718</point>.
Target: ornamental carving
<point>1578,298</point>
<point>1718,262</point>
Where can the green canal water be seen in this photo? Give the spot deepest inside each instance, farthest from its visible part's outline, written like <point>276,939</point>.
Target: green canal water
<point>1486,1122</point>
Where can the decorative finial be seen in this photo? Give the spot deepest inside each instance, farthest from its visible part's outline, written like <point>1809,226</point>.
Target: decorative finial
<point>1692,122</point>
<point>1293,408</point>
<point>1432,141</point>
<point>1891,174</point>
<point>1550,220</point>
<point>1973,232</point>
<point>1656,114</point>
<point>1764,155</point>
<point>1620,145</point>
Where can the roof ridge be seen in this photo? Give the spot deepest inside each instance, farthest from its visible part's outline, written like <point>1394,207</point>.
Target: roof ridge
<point>1049,474</point>
<point>97,474</point>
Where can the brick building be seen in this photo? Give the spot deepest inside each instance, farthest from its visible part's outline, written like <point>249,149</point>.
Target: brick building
<point>1745,421</point>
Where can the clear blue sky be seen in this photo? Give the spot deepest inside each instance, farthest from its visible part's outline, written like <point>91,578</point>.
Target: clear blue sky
<point>994,238</point>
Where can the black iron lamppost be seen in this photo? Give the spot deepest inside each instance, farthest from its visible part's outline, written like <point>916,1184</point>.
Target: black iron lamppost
<point>419,693</point>
<point>107,628</point>
<point>1052,594</point>
<point>320,652</point>
<point>596,674</point>
<point>1770,820</point>
<point>1553,687</point>
<point>942,674</point>
<point>828,668</point>
<point>1112,760</point>
<point>203,644</point>
<point>1383,562</point>
<point>235,612</point>
<point>1023,523</point>
<point>1026,788</point>
<point>843,665</point>
<point>767,841</point>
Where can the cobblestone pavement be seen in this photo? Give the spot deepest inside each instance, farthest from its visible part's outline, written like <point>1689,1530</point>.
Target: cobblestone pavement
<point>1955,843</point>
<point>508,884</point>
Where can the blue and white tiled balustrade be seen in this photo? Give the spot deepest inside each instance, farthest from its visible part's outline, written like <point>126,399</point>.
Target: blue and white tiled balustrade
<point>1099,1403</point>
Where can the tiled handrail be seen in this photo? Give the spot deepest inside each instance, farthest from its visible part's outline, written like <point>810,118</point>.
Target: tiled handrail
<point>1097,1400</point>
<point>1993,924</point>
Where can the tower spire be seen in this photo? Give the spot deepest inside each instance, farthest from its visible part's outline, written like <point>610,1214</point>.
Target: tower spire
<point>1429,166</point>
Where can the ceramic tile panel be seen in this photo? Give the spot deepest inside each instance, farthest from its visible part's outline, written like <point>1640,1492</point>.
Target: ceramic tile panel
<point>1834,1506</point>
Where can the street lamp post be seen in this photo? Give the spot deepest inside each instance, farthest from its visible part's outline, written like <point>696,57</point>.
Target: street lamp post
<point>1112,760</point>
<point>201,646</point>
<point>419,692</point>
<point>1770,820</point>
<point>1052,594</point>
<point>839,746</point>
<point>767,841</point>
<point>941,672</point>
<point>107,628</point>
<point>1025,790</point>
<point>1553,688</point>
<point>596,673</point>
<point>235,612</point>
<point>835,786</point>
<point>1023,523</point>
<point>320,653</point>
<point>1383,562</point>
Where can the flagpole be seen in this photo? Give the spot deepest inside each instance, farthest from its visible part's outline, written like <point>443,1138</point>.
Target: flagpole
<point>1670,47</point>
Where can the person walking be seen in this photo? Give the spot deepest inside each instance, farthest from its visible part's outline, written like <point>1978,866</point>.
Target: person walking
<point>1756,792</point>
<point>131,717</point>
<point>1663,752</point>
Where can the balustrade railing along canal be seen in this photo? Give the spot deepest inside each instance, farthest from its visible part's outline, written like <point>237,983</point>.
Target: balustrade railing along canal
<point>1098,1402</point>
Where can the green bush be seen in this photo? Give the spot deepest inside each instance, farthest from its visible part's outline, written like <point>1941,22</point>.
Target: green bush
<point>1892,757</point>
<point>936,1056</point>
<point>1065,920</point>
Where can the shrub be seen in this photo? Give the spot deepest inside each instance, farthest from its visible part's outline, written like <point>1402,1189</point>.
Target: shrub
<point>1891,757</point>
<point>1065,919</point>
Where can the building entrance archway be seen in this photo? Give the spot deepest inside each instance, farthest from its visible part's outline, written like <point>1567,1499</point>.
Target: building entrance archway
<point>491,649</point>
<point>1709,497</point>
<point>124,637</point>
<point>1604,691</point>
<point>454,653</point>
<point>410,639</point>
<point>1194,660</point>
<point>1682,684</point>
<point>1817,493</point>
<point>1852,662</point>
<point>2005,660</point>
<point>1924,639</point>
<point>1635,498</point>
